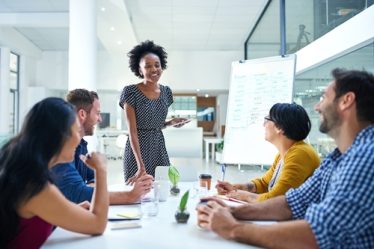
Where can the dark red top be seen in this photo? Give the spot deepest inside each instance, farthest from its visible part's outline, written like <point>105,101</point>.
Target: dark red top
<point>32,233</point>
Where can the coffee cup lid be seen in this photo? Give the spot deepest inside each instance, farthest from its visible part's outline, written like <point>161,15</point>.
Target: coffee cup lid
<point>205,176</point>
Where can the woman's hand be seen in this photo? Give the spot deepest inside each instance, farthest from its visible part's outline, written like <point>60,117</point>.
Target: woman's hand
<point>94,160</point>
<point>141,172</point>
<point>178,122</point>
<point>224,187</point>
<point>85,204</point>
<point>243,195</point>
<point>142,186</point>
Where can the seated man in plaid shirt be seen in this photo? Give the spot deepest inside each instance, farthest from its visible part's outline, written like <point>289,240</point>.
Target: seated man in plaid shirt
<point>334,208</point>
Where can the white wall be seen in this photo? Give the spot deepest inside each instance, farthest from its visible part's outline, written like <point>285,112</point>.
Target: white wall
<point>4,90</point>
<point>209,70</point>
<point>15,42</point>
<point>113,71</point>
<point>52,70</point>
<point>27,78</point>
<point>222,100</point>
<point>186,71</point>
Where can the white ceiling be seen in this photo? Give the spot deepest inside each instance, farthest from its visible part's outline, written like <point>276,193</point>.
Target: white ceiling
<point>176,24</point>
<point>44,37</point>
<point>194,24</point>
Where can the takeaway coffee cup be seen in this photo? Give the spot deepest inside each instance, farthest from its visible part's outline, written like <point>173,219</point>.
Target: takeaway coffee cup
<point>205,180</point>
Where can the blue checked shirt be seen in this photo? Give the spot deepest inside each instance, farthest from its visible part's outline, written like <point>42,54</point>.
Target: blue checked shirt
<point>338,200</point>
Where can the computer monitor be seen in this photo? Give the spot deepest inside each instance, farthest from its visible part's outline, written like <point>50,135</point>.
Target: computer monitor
<point>105,120</point>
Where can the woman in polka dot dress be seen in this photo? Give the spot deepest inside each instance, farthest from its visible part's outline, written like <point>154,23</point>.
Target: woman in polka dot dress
<point>145,105</point>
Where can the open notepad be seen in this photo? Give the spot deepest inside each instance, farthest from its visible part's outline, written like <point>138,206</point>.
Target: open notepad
<point>231,202</point>
<point>121,215</point>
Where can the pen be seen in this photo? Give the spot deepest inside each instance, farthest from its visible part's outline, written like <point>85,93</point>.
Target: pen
<point>122,219</point>
<point>223,169</point>
<point>231,199</point>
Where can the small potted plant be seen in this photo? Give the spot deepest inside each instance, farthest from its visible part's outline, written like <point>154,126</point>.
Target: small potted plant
<point>173,174</point>
<point>182,214</point>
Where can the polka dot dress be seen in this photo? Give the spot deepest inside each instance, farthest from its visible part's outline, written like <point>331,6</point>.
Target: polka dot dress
<point>150,118</point>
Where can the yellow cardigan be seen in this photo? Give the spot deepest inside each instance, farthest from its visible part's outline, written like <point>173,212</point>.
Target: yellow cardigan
<point>299,163</point>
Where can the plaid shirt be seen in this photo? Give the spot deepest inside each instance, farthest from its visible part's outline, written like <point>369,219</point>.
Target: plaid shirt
<point>338,200</point>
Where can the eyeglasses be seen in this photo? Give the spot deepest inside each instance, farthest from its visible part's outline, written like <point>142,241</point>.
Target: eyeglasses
<point>267,118</point>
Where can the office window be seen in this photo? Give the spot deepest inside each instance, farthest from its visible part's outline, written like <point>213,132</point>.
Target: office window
<point>306,21</point>
<point>183,106</point>
<point>14,93</point>
<point>310,85</point>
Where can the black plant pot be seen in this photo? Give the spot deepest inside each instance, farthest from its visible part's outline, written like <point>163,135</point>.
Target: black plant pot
<point>182,217</point>
<point>175,190</point>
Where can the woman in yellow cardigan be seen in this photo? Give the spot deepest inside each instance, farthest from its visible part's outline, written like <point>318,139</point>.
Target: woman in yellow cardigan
<point>286,126</point>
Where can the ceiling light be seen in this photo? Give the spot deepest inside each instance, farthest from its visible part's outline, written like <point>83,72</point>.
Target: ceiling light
<point>197,90</point>
<point>112,28</point>
<point>119,42</point>
<point>102,9</point>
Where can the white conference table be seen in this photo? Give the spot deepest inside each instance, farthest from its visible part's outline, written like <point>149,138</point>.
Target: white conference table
<point>157,232</point>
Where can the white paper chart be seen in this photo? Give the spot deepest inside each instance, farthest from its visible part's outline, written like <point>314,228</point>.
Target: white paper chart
<point>255,86</point>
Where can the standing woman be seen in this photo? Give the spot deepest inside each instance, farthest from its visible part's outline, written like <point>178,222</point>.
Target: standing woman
<point>30,205</point>
<point>145,105</point>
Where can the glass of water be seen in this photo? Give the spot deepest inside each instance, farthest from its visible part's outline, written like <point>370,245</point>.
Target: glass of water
<point>149,204</point>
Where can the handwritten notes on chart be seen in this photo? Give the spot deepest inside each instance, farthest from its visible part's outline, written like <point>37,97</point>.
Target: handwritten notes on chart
<point>256,85</point>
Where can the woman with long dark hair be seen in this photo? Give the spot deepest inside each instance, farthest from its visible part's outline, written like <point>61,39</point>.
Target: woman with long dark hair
<point>29,203</point>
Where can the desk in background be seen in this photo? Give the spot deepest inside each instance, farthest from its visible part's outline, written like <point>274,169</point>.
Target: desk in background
<point>107,142</point>
<point>211,141</point>
<point>180,142</point>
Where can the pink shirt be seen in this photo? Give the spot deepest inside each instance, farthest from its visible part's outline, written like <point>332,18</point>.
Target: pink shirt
<point>32,233</point>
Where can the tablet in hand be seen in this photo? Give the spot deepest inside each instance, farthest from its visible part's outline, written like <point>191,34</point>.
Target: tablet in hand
<point>182,122</point>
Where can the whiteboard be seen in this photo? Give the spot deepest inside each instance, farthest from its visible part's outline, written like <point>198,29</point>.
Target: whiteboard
<point>255,86</point>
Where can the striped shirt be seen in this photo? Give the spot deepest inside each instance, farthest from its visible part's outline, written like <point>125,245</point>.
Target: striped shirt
<point>338,200</point>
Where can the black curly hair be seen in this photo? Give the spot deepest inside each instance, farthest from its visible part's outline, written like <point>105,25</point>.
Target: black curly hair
<point>292,119</point>
<point>144,48</point>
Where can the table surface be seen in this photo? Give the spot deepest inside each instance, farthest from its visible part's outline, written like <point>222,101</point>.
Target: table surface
<point>161,231</point>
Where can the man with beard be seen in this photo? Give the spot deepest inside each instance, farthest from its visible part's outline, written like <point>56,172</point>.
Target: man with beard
<point>334,208</point>
<point>75,180</point>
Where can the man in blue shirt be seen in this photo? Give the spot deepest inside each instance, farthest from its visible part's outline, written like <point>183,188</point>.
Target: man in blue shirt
<point>75,180</point>
<point>334,208</point>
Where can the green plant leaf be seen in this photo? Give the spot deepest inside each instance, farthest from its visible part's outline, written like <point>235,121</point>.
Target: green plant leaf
<point>219,146</point>
<point>183,203</point>
<point>174,175</point>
